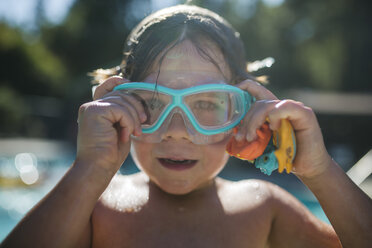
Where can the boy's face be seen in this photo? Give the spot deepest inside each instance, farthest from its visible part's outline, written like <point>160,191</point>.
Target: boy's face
<point>183,67</point>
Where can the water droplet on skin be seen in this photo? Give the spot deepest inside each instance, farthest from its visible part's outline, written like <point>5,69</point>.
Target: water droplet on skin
<point>130,200</point>
<point>255,185</point>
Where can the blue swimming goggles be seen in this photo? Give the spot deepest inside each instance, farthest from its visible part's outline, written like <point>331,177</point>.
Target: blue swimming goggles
<point>209,111</point>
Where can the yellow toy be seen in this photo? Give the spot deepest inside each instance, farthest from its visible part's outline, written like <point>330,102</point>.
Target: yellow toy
<point>285,141</point>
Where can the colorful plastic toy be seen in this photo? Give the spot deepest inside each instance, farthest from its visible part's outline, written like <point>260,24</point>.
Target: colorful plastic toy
<point>268,153</point>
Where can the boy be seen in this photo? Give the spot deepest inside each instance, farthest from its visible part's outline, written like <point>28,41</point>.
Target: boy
<point>177,201</point>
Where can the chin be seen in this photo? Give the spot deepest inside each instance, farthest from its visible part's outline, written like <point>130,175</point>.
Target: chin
<point>177,187</point>
<point>182,187</point>
<point>177,192</point>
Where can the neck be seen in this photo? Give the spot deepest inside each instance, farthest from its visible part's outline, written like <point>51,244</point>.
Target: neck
<point>204,193</point>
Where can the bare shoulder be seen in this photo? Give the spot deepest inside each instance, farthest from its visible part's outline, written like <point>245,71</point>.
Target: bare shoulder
<point>124,196</point>
<point>262,191</point>
<point>284,215</point>
<point>246,195</point>
<point>254,193</point>
<point>125,193</point>
<point>258,189</point>
<point>116,209</point>
<point>290,218</point>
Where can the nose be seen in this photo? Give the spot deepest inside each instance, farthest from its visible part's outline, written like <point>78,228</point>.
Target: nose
<point>177,129</point>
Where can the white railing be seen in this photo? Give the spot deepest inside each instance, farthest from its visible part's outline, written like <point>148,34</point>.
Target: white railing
<point>362,169</point>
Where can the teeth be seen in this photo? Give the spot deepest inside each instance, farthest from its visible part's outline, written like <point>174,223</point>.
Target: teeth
<point>186,161</point>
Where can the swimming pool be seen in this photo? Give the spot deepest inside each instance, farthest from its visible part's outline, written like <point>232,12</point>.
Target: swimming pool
<point>15,202</point>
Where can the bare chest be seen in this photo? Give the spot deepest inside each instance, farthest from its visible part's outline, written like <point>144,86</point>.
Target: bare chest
<point>213,229</point>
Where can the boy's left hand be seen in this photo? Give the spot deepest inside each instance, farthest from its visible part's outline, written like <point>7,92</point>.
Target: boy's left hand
<point>311,158</point>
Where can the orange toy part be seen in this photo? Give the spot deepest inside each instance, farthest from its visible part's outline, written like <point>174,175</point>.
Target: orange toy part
<point>250,150</point>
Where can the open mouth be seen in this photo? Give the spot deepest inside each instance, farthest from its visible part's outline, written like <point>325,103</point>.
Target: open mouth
<point>177,164</point>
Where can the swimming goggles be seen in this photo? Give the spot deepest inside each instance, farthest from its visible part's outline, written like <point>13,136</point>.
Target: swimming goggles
<point>209,111</point>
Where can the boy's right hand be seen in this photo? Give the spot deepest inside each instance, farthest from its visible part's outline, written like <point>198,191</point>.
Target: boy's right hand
<point>105,126</point>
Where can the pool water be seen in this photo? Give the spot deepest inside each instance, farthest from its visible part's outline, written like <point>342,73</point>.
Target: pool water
<point>316,209</point>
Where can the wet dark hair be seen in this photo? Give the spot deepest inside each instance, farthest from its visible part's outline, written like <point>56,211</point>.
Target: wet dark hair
<point>159,32</point>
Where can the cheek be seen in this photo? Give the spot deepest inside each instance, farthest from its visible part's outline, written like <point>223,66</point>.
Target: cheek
<point>215,157</point>
<point>138,149</point>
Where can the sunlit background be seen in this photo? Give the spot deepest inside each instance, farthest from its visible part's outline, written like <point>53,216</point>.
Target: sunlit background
<point>321,49</point>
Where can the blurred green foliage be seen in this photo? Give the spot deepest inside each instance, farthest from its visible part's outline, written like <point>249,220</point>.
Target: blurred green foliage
<point>317,44</point>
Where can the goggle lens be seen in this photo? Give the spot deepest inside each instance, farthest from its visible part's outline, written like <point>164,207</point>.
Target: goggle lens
<point>212,110</point>
<point>154,104</point>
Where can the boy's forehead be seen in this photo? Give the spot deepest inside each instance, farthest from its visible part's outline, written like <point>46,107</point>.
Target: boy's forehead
<point>184,79</point>
<point>185,64</point>
<point>187,54</point>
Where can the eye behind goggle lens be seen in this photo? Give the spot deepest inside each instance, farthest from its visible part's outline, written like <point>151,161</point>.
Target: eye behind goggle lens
<point>154,104</point>
<point>213,110</point>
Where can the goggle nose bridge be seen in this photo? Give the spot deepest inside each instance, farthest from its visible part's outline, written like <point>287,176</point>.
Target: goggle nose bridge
<point>177,100</point>
<point>178,108</point>
<point>175,107</point>
<point>189,127</point>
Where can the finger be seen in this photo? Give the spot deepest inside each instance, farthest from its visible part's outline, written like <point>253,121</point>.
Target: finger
<point>258,117</point>
<point>107,114</point>
<point>255,118</point>
<point>108,86</point>
<point>122,133</point>
<point>121,115</point>
<point>243,128</point>
<point>257,90</point>
<point>135,117</point>
<point>301,117</point>
<point>123,102</point>
<point>137,104</point>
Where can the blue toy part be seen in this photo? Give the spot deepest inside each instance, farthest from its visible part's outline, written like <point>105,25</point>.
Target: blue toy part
<point>267,163</point>
<point>280,152</point>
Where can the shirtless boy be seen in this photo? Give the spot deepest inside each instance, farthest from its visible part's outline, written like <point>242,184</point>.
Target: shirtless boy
<point>177,200</point>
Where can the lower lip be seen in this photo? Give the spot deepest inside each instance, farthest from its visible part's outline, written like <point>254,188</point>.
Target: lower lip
<point>177,167</point>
